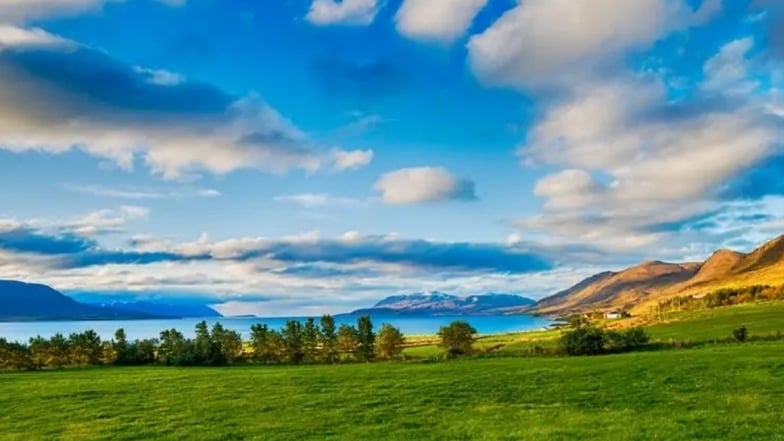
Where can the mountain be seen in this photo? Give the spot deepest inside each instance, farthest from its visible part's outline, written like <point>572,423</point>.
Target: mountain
<point>438,303</point>
<point>21,301</point>
<point>641,286</point>
<point>165,310</point>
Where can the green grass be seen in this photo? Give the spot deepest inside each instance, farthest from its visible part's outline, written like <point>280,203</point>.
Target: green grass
<point>714,392</point>
<point>709,324</point>
<point>727,392</point>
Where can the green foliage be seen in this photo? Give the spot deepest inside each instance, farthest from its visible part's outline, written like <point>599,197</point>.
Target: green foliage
<point>389,342</point>
<point>347,341</point>
<point>310,341</point>
<point>328,340</point>
<point>293,336</point>
<point>577,321</point>
<point>585,340</point>
<point>740,334</point>
<point>457,338</point>
<point>86,348</point>
<point>590,340</point>
<point>366,339</point>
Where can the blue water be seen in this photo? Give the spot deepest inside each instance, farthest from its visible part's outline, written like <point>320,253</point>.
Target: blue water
<point>140,329</point>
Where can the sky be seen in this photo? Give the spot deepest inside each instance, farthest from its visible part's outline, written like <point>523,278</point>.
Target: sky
<point>298,157</point>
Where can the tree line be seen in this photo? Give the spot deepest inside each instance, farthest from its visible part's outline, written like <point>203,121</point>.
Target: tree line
<point>311,342</point>
<point>719,298</point>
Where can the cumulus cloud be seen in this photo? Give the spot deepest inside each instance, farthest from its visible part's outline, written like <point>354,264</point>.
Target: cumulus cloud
<point>345,12</point>
<point>633,160</point>
<point>424,185</point>
<point>437,20</point>
<point>539,43</point>
<point>177,127</point>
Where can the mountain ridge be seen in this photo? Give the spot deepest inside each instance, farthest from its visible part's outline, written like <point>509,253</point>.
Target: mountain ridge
<point>639,287</point>
<point>440,303</point>
<point>21,301</point>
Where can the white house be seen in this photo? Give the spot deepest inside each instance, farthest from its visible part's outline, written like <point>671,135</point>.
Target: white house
<point>613,315</point>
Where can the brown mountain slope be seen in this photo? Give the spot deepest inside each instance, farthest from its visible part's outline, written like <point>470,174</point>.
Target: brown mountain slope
<point>639,287</point>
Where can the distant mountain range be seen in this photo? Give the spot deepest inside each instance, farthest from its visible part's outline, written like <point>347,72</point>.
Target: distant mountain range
<point>439,303</point>
<point>639,287</point>
<point>21,301</point>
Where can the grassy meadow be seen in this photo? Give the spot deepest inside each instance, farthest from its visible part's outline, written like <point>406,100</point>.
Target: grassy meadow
<point>713,392</point>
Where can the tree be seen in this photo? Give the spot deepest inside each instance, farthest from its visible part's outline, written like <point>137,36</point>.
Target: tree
<point>261,344</point>
<point>578,321</point>
<point>366,350</point>
<point>347,340</point>
<point>205,348</point>
<point>293,335</point>
<point>143,351</point>
<point>15,356</point>
<point>40,352</point>
<point>228,343</point>
<point>457,338</point>
<point>174,349</point>
<point>310,341</point>
<point>86,348</point>
<point>390,342</point>
<point>122,350</point>
<point>59,351</point>
<point>328,339</point>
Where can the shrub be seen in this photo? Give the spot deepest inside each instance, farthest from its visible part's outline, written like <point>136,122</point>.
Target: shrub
<point>741,334</point>
<point>585,340</point>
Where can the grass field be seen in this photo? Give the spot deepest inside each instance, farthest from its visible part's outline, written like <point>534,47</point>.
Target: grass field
<point>714,392</point>
<point>728,392</point>
<point>759,318</point>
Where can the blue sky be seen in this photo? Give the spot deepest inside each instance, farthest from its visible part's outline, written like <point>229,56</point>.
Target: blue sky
<point>308,156</point>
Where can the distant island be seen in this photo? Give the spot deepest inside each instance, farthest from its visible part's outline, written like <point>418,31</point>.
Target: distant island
<point>440,304</point>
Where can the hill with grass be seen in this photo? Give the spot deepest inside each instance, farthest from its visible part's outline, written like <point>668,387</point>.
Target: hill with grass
<point>638,288</point>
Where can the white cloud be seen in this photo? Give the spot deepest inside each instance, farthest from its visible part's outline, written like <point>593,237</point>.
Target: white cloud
<point>539,43</point>
<point>423,185</point>
<point>349,160</point>
<point>438,20</point>
<point>160,77</point>
<point>316,200</point>
<point>16,11</point>
<point>345,12</point>
<point>141,193</point>
<point>728,71</point>
<point>633,161</point>
<point>178,129</point>
<point>14,37</point>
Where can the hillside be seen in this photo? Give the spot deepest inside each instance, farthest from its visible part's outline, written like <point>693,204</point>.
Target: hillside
<point>438,303</point>
<point>641,286</point>
<point>21,301</point>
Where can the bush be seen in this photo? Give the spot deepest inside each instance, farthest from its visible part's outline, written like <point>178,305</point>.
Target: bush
<point>741,334</point>
<point>590,340</point>
<point>585,340</point>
